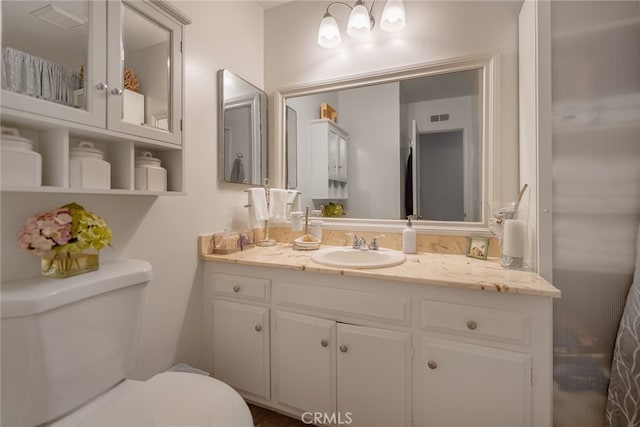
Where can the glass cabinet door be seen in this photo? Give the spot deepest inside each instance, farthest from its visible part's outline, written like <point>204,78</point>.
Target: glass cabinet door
<point>144,72</point>
<point>47,65</point>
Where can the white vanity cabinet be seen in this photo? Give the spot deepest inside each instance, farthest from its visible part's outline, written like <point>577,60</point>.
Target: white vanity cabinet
<point>238,332</point>
<point>330,160</point>
<point>382,352</point>
<point>358,372</point>
<point>112,76</point>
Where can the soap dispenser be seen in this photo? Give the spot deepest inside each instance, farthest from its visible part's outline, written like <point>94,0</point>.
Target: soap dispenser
<point>409,237</point>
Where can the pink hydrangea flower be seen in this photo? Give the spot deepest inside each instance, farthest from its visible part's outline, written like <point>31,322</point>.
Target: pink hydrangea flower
<point>44,231</point>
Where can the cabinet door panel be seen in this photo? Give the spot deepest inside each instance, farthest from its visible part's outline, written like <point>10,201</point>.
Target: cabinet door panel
<point>374,376</point>
<point>241,346</point>
<point>465,384</point>
<point>306,362</point>
<point>147,43</point>
<point>54,72</point>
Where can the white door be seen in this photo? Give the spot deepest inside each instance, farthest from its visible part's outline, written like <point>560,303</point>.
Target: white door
<point>342,157</point>
<point>414,167</point>
<point>241,346</point>
<point>374,376</point>
<point>471,385</point>
<point>305,366</point>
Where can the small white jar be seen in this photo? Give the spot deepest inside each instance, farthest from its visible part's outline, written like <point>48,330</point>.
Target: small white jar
<point>315,228</point>
<point>149,174</point>
<point>21,166</point>
<point>87,167</point>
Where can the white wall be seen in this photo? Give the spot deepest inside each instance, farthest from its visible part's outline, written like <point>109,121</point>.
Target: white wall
<point>371,115</point>
<point>436,30</point>
<point>163,230</point>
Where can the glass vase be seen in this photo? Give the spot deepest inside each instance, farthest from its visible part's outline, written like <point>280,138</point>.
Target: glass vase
<point>64,264</point>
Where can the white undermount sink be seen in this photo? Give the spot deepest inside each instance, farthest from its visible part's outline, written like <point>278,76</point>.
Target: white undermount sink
<point>347,257</point>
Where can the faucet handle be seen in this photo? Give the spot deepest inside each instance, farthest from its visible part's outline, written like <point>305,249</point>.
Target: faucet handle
<point>374,242</point>
<point>356,240</point>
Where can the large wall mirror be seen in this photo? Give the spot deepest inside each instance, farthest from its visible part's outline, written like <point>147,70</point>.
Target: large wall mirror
<point>419,141</point>
<point>242,137</point>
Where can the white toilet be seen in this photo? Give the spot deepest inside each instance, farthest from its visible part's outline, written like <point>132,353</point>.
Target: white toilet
<point>68,344</point>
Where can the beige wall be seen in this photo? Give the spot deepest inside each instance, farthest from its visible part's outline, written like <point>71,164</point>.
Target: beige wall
<point>435,30</point>
<point>163,230</point>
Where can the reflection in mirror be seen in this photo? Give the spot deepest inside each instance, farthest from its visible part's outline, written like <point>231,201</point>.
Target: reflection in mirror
<point>291,145</point>
<point>415,145</point>
<point>242,135</point>
<point>147,68</point>
<point>45,49</point>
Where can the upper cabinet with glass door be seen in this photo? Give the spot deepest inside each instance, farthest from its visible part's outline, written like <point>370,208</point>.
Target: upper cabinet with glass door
<point>61,60</point>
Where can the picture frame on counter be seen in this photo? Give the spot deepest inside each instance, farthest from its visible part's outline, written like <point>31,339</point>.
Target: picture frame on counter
<point>477,247</point>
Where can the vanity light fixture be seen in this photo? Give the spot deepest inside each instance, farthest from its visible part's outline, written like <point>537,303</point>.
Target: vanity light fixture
<point>360,22</point>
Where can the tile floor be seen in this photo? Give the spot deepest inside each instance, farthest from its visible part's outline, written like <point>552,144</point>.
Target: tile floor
<point>265,418</point>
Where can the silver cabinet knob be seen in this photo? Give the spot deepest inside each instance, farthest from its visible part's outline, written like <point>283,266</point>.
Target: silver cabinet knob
<point>236,288</point>
<point>116,91</point>
<point>432,365</point>
<point>343,348</point>
<point>258,328</point>
<point>472,325</point>
<point>102,86</point>
<point>324,343</point>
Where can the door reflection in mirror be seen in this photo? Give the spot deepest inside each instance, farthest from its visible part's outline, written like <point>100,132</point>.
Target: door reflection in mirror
<point>243,130</point>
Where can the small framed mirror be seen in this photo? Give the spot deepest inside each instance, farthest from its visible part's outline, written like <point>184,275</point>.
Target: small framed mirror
<point>242,138</point>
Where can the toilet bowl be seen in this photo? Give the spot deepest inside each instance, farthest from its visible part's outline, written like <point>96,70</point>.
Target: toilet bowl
<point>68,345</point>
<point>167,399</point>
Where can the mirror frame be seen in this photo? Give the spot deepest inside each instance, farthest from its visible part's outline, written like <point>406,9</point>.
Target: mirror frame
<point>491,170</point>
<point>259,132</point>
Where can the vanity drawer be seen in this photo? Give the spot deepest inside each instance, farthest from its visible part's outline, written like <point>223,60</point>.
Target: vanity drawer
<point>388,308</point>
<point>242,287</point>
<point>508,326</point>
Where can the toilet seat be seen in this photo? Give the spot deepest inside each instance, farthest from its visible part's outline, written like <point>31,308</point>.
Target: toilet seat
<point>167,399</point>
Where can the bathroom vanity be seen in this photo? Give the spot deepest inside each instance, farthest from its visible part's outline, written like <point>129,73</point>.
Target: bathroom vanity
<point>441,340</point>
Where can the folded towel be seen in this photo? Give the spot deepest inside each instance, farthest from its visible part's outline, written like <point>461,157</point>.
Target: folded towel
<point>293,202</point>
<point>278,205</point>
<point>258,212</point>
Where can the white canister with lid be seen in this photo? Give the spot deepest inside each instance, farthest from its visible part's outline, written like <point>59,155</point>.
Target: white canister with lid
<point>21,166</point>
<point>87,167</point>
<point>149,174</point>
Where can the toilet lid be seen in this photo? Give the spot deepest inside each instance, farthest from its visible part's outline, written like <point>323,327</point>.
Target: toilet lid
<point>167,399</point>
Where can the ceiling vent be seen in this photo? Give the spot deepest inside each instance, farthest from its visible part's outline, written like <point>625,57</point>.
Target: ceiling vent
<point>58,17</point>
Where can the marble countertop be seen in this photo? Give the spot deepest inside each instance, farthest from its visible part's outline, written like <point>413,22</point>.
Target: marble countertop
<point>454,271</point>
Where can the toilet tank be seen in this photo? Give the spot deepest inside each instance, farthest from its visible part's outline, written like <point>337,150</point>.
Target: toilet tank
<point>65,341</point>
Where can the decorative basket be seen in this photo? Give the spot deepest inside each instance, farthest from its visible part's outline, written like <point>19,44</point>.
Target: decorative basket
<point>131,80</point>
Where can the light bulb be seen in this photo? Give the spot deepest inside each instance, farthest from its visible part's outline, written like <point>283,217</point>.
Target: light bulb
<point>329,33</point>
<point>359,24</point>
<point>393,16</point>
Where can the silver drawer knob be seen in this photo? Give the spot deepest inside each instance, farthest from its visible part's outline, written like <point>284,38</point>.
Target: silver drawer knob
<point>258,328</point>
<point>472,325</point>
<point>236,288</point>
<point>343,348</point>
<point>432,365</point>
<point>324,343</point>
<point>116,91</point>
<point>102,86</point>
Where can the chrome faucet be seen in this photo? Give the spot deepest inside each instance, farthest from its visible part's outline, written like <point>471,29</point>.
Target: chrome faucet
<point>374,242</point>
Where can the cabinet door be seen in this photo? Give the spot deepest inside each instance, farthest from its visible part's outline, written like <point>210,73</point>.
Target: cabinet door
<point>342,158</point>
<point>374,376</point>
<point>145,72</point>
<point>306,371</point>
<point>471,385</point>
<point>53,59</point>
<point>334,153</point>
<point>241,346</point>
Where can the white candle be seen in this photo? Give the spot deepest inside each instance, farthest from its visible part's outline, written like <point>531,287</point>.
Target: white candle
<point>513,240</point>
